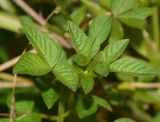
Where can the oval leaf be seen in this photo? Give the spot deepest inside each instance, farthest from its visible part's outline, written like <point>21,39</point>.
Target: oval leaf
<point>87,83</point>
<point>46,47</point>
<point>133,67</point>
<point>113,50</point>
<point>79,39</point>
<point>98,32</point>
<point>67,74</point>
<point>31,64</point>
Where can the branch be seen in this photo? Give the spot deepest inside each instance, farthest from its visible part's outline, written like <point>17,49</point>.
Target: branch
<point>148,40</point>
<point>9,63</point>
<point>30,11</point>
<point>4,85</point>
<point>23,5</point>
<point>12,113</point>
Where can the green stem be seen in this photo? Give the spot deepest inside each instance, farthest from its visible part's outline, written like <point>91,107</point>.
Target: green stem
<point>60,112</point>
<point>155,26</point>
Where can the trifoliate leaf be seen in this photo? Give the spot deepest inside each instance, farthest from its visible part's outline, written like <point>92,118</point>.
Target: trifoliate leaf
<point>31,64</point>
<point>133,67</point>
<point>113,50</point>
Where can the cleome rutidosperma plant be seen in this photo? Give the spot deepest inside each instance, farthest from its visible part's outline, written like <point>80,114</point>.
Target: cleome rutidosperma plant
<point>81,72</point>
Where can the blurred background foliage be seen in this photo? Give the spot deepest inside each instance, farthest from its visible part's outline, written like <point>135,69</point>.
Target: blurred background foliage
<point>137,98</point>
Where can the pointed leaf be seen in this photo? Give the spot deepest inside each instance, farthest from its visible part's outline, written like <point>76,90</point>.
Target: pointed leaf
<point>133,67</point>
<point>116,31</point>
<point>98,32</point>
<point>79,39</point>
<point>113,50</point>
<point>121,6</point>
<point>136,17</point>
<point>102,102</point>
<point>87,83</point>
<point>100,27</point>
<point>78,15</point>
<point>101,69</point>
<point>84,112</point>
<point>67,74</point>
<point>124,120</point>
<point>31,64</point>
<point>50,96</point>
<point>47,48</point>
<point>80,59</point>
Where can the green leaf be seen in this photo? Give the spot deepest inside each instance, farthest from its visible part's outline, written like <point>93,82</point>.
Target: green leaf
<point>98,66</point>
<point>81,42</point>
<point>84,112</point>
<point>24,106</point>
<point>4,120</point>
<point>124,120</point>
<point>50,96</point>
<point>116,31</point>
<point>102,102</point>
<point>98,32</point>
<point>106,3</point>
<point>101,69</point>
<point>67,74</point>
<point>113,50</point>
<point>97,9</point>
<point>133,67</point>
<point>78,15</point>
<point>136,17</point>
<point>121,6</point>
<point>25,20</point>
<point>47,48</point>
<point>156,118</point>
<point>31,64</point>
<point>100,27</point>
<point>29,118</point>
<point>87,83</point>
<point>80,59</point>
